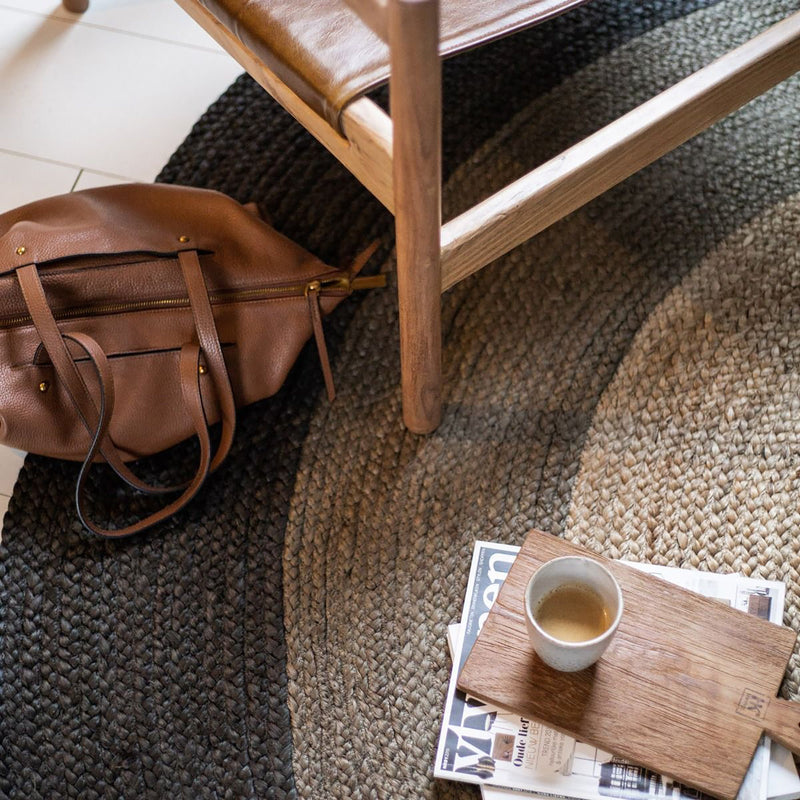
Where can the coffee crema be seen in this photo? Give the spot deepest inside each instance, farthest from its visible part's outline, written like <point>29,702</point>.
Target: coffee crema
<point>573,613</point>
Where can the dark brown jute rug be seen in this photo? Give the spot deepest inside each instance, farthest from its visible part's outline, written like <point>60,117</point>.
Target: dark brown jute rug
<point>284,636</point>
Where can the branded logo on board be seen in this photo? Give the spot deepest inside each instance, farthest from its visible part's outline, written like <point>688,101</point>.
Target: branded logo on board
<point>752,704</point>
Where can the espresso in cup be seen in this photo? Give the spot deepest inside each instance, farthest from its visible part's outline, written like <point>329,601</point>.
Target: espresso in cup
<point>573,613</point>
<point>573,606</point>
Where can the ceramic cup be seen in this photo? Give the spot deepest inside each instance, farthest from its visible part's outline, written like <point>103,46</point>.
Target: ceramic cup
<point>573,606</point>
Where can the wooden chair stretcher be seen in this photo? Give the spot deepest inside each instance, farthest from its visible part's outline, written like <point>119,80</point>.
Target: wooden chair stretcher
<point>398,159</point>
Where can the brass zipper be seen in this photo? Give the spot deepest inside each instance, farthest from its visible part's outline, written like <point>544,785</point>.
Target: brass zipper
<point>341,283</point>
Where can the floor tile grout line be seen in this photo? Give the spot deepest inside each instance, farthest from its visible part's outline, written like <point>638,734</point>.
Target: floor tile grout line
<point>78,21</point>
<point>58,163</point>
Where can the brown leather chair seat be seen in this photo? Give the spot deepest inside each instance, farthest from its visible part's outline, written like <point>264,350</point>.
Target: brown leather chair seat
<point>323,52</point>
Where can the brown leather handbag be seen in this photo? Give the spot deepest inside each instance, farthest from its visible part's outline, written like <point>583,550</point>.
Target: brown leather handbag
<point>134,316</point>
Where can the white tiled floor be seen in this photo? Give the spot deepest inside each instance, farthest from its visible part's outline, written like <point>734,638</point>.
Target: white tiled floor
<point>102,97</point>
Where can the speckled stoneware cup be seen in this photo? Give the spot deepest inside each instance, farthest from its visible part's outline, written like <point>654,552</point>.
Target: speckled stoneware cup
<point>571,570</point>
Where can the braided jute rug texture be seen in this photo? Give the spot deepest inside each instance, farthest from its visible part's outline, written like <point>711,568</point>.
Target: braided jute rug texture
<point>693,456</point>
<point>285,636</point>
<point>382,523</point>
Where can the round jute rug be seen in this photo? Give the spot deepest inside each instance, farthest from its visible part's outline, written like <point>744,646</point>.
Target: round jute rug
<point>158,667</point>
<point>382,523</point>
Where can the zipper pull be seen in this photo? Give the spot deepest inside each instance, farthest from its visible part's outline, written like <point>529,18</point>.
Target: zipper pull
<point>368,282</point>
<point>347,284</point>
<point>363,257</point>
<point>313,289</point>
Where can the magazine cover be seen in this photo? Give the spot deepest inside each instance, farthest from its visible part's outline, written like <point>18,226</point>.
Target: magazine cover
<point>482,744</point>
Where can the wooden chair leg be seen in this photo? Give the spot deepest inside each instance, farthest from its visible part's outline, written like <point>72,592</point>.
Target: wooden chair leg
<point>415,97</point>
<point>76,6</point>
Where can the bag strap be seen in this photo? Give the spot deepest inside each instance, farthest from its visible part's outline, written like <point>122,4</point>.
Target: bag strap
<point>96,421</point>
<point>67,371</point>
<point>192,400</point>
<point>212,350</point>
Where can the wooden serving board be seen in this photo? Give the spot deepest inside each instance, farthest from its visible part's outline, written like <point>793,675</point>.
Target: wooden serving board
<point>686,687</point>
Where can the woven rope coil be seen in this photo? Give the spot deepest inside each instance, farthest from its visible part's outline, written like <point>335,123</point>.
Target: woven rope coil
<point>382,523</point>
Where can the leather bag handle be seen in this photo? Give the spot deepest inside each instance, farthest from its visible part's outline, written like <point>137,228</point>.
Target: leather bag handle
<point>192,400</point>
<point>97,421</point>
<point>67,371</point>
<point>212,350</point>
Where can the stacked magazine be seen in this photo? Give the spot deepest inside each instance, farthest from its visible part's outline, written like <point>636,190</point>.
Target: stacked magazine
<point>512,757</point>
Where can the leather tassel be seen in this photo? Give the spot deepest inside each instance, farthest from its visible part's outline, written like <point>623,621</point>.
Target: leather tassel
<point>312,296</point>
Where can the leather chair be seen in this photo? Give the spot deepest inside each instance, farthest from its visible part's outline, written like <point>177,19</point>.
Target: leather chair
<point>318,58</point>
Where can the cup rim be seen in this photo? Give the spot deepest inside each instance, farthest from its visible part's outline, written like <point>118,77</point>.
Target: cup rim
<point>609,631</point>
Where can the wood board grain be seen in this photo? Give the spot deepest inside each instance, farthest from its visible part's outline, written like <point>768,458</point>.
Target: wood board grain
<point>686,687</point>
